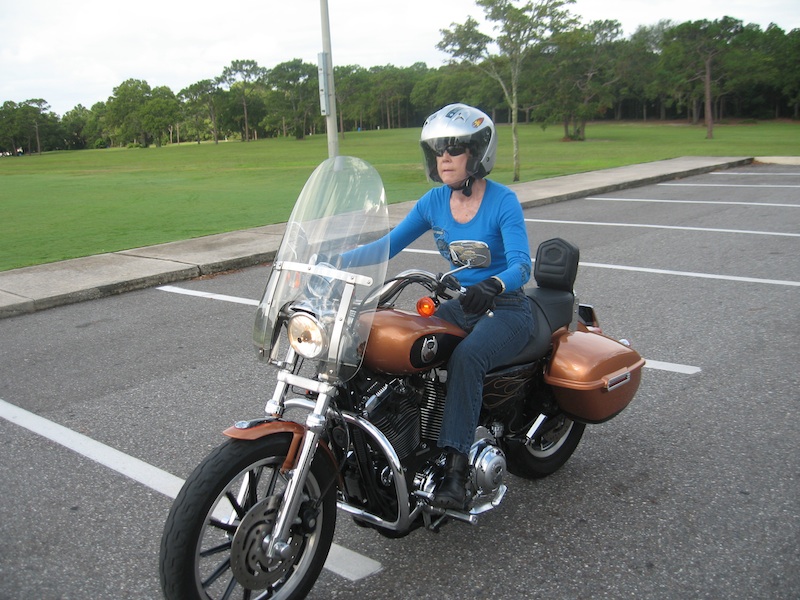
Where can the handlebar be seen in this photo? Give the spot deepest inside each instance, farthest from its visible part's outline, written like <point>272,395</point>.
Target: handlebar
<point>443,285</point>
<point>392,288</point>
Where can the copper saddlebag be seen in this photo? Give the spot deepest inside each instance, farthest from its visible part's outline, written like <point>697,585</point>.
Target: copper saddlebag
<point>593,377</point>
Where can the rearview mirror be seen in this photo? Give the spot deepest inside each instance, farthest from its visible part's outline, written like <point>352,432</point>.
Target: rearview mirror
<point>470,254</point>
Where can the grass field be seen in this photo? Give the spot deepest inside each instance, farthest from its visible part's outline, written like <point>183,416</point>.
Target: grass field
<point>68,204</point>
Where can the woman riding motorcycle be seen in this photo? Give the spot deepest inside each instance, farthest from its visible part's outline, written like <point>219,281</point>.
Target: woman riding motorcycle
<point>459,146</point>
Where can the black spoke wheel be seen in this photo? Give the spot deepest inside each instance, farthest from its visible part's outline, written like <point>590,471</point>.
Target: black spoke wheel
<point>213,542</point>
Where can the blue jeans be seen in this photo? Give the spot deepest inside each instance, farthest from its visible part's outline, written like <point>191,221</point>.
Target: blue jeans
<point>491,341</point>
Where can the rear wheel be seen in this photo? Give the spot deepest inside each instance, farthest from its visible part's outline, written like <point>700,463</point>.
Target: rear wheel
<point>548,452</point>
<point>212,547</point>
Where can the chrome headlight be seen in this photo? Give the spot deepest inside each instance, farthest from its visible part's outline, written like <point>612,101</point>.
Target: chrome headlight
<point>307,335</point>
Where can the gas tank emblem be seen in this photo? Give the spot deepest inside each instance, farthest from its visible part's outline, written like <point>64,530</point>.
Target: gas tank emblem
<point>429,350</point>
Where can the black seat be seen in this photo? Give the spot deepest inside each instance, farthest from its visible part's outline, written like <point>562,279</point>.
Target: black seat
<point>552,301</point>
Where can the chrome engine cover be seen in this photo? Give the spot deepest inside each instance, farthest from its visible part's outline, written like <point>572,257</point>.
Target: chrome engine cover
<point>488,468</point>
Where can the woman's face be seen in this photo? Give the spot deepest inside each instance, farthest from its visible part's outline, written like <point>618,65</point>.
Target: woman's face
<point>452,169</point>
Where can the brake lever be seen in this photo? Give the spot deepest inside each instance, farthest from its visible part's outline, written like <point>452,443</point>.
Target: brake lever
<point>448,287</point>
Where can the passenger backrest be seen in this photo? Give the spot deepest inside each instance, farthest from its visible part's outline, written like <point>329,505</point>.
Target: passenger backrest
<point>556,265</point>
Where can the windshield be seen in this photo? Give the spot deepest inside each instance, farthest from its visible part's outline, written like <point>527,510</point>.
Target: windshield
<point>342,206</point>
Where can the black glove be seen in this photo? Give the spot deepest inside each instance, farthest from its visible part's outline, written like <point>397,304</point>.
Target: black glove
<point>480,297</point>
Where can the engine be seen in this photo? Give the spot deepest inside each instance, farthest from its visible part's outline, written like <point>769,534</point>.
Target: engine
<point>407,411</point>
<point>410,411</point>
<point>393,409</point>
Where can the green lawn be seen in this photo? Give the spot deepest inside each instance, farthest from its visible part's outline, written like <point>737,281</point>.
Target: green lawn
<point>68,204</point>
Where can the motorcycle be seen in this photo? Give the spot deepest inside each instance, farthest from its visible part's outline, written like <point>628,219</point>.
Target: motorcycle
<point>256,518</point>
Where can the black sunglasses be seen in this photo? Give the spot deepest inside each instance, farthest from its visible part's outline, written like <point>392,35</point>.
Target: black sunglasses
<point>451,149</point>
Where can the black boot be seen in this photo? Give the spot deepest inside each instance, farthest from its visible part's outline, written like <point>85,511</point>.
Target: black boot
<point>451,492</point>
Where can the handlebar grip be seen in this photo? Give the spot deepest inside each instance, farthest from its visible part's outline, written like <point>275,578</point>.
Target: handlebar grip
<point>462,290</point>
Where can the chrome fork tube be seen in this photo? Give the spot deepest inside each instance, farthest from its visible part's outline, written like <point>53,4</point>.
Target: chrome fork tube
<point>275,406</point>
<point>276,545</point>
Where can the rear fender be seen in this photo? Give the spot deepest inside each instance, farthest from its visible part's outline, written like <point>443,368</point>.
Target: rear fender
<point>259,428</point>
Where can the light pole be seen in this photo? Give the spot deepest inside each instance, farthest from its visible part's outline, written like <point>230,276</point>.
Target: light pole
<point>327,94</point>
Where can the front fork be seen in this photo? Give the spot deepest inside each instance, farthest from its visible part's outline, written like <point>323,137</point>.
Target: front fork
<point>277,544</point>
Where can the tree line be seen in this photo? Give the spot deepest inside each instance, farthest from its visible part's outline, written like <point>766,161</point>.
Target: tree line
<point>541,66</point>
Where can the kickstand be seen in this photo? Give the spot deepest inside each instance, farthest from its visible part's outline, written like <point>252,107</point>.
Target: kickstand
<point>431,525</point>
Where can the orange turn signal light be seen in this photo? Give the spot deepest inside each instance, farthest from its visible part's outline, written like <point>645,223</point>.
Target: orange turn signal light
<point>426,306</point>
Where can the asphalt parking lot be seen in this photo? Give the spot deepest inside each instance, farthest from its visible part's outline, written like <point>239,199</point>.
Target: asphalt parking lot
<point>692,492</point>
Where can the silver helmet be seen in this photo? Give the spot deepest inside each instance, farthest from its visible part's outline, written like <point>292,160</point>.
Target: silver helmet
<point>459,124</point>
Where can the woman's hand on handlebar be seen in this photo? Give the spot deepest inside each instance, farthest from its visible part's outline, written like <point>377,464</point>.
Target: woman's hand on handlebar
<point>480,297</point>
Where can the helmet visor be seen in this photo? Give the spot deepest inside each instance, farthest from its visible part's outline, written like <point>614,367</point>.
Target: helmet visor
<point>452,149</point>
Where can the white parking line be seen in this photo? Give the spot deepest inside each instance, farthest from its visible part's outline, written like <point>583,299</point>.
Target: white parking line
<point>680,228</point>
<point>671,367</point>
<point>341,561</point>
<point>753,173</point>
<point>654,201</point>
<point>146,474</point>
<point>209,295</point>
<point>742,185</point>
<point>693,274</point>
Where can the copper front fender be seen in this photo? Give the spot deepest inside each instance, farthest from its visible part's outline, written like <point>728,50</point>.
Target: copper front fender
<point>255,430</point>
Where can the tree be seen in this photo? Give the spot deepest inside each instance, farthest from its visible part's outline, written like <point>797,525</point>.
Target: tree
<point>772,72</point>
<point>248,75</point>
<point>160,112</point>
<point>694,48</point>
<point>9,128</point>
<point>352,91</point>
<point>645,79</point>
<point>387,89</point>
<point>202,99</point>
<point>297,87</point>
<point>581,75</point>
<point>33,116</point>
<point>125,110</point>
<point>790,68</point>
<point>98,134</point>
<point>75,123</point>
<point>749,74</point>
<point>390,90</point>
<point>523,30</point>
<point>457,82</point>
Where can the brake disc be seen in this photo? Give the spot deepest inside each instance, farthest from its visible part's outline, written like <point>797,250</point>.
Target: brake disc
<point>250,564</point>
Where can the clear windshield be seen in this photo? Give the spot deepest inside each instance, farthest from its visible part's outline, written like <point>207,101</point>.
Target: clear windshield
<point>342,206</point>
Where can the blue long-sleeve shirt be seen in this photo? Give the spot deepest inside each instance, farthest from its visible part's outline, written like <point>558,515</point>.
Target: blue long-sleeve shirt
<point>499,223</point>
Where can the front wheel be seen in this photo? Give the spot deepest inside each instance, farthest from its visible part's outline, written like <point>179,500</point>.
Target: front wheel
<point>548,452</point>
<point>212,546</point>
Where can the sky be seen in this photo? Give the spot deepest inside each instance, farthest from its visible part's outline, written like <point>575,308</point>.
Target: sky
<point>71,53</point>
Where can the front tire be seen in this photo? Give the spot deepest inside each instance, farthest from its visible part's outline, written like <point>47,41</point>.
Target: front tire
<point>211,547</point>
<point>548,452</point>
